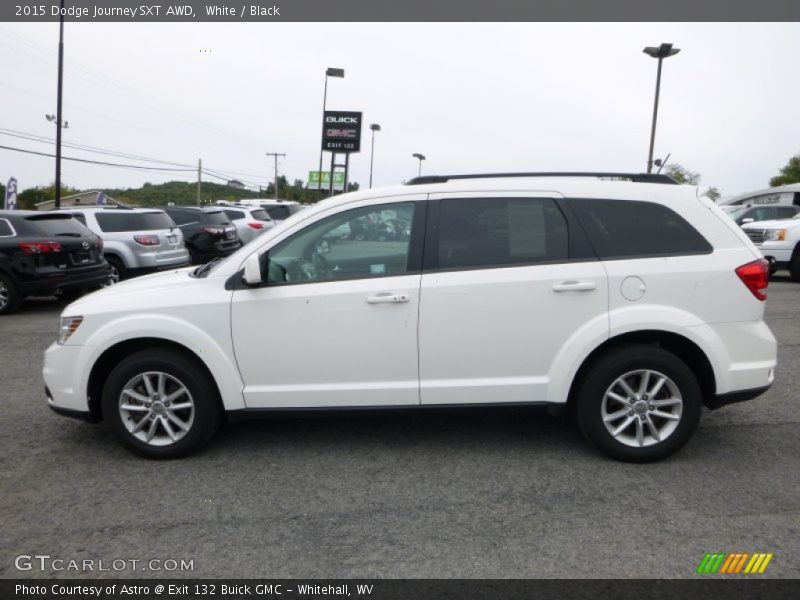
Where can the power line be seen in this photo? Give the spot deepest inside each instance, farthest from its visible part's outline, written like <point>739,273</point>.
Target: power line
<point>93,162</point>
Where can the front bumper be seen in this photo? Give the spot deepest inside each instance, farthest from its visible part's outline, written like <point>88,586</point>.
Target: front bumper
<point>65,383</point>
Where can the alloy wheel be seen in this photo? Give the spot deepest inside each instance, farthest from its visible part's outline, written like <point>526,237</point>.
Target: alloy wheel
<point>642,408</point>
<point>156,408</point>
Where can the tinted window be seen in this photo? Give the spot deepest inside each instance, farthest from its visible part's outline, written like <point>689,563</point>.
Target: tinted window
<point>55,225</point>
<point>217,217</point>
<point>235,215</point>
<point>628,228</point>
<point>279,213</point>
<point>485,232</point>
<point>364,242</point>
<point>81,217</point>
<point>122,221</point>
<point>5,228</point>
<point>785,212</point>
<point>182,217</point>
<point>260,214</point>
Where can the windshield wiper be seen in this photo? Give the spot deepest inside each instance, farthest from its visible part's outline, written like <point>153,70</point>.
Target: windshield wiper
<point>202,269</point>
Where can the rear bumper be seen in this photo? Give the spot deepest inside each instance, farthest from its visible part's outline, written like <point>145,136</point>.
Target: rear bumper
<point>51,283</point>
<point>721,400</point>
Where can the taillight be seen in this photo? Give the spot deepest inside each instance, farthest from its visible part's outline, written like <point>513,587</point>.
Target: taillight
<point>39,247</point>
<point>146,240</point>
<point>256,225</point>
<point>214,230</point>
<point>755,275</point>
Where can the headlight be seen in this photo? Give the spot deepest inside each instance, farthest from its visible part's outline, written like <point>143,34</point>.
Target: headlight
<point>774,235</point>
<point>67,327</point>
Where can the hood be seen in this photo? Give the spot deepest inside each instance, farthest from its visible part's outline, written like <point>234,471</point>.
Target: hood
<point>774,224</point>
<point>146,284</point>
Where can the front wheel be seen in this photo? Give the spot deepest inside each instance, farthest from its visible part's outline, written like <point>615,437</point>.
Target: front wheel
<point>638,403</point>
<point>161,404</point>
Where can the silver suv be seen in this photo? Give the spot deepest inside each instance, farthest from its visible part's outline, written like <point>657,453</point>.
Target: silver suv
<point>136,240</point>
<point>250,222</point>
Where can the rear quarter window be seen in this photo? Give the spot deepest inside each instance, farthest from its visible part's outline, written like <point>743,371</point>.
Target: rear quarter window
<point>637,229</point>
<point>5,228</point>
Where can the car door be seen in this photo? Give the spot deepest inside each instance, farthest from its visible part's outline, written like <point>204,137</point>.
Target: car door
<point>508,285</point>
<point>335,321</point>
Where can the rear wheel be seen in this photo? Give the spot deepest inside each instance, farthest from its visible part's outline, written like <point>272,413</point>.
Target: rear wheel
<point>10,298</point>
<point>161,404</point>
<point>117,270</point>
<point>638,403</point>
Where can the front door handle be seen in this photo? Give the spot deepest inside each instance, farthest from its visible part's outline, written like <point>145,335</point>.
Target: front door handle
<point>388,298</point>
<point>575,286</point>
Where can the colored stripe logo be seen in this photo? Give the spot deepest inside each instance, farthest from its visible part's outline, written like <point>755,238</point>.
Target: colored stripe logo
<point>735,563</point>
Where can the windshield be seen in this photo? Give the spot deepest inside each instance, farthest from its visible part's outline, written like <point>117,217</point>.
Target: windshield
<point>58,224</point>
<point>259,214</point>
<point>114,222</point>
<point>734,211</point>
<point>217,217</point>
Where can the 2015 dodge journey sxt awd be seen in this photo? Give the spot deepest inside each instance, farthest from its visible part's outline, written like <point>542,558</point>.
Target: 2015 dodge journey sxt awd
<point>627,299</point>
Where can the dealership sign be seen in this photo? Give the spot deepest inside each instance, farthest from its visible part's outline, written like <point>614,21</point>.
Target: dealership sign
<point>314,179</point>
<point>341,131</point>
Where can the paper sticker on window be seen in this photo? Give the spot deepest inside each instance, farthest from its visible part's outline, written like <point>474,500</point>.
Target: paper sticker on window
<point>377,269</point>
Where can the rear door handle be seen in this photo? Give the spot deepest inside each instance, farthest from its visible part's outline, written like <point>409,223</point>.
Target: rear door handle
<point>575,286</point>
<point>388,298</point>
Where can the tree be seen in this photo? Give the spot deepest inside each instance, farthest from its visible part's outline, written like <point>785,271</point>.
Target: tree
<point>683,175</point>
<point>788,174</point>
<point>712,193</point>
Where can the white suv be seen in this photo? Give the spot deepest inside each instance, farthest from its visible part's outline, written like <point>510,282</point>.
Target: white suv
<point>632,303</point>
<point>779,241</point>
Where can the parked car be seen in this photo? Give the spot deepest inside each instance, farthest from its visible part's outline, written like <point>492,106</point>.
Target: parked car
<point>278,210</point>
<point>749,214</point>
<point>137,240</point>
<point>207,233</point>
<point>596,297</point>
<point>249,222</point>
<point>779,242</point>
<point>44,253</point>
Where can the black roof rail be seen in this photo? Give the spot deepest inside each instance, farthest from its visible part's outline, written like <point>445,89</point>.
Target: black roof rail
<point>635,177</point>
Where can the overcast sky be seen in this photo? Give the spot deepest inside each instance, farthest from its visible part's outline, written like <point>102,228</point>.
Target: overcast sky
<point>471,97</point>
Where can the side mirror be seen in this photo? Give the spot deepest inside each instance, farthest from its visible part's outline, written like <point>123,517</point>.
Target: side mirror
<point>748,220</point>
<point>252,270</point>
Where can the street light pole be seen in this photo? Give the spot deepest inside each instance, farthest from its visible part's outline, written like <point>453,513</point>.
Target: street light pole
<point>58,104</point>
<point>662,52</point>
<point>421,157</point>
<point>329,72</point>
<point>374,127</point>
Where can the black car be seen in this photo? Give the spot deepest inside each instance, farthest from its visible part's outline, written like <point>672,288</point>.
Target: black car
<point>208,234</point>
<point>46,253</point>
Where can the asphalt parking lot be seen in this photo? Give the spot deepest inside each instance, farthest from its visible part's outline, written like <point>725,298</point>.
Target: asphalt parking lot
<point>514,494</point>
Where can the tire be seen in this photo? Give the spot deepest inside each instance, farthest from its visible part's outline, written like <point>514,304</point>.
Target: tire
<point>118,270</point>
<point>194,256</point>
<point>794,265</point>
<point>630,363</point>
<point>10,298</point>
<point>199,410</point>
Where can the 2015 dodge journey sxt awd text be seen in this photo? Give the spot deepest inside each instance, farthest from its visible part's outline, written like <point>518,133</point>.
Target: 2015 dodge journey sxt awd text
<point>627,299</point>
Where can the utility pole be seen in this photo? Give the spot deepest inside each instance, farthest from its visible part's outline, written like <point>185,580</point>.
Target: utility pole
<point>199,178</point>
<point>58,104</point>
<point>276,155</point>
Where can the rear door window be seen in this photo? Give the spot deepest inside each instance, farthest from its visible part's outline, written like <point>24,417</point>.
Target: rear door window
<point>279,213</point>
<point>500,232</point>
<point>786,212</point>
<point>260,215</point>
<point>636,229</point>
<point>234,215</point>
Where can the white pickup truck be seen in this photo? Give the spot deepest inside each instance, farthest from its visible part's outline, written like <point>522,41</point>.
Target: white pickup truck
<point>779,242</point>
